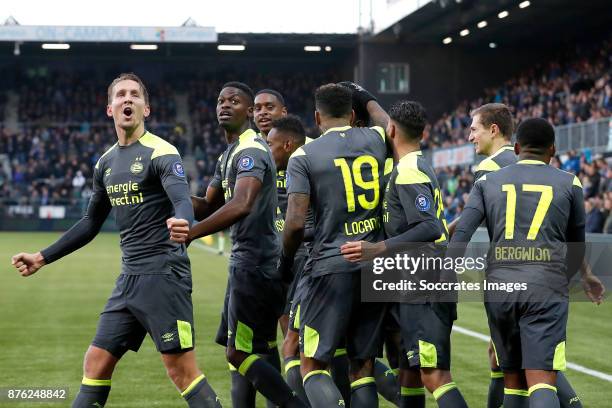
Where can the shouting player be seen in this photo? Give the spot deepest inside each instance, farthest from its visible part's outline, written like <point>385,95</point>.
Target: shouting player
<point>142,178</point>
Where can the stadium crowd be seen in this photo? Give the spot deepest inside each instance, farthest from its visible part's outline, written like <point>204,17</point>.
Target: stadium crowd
<point>50,159</point>
<point>573,89</point>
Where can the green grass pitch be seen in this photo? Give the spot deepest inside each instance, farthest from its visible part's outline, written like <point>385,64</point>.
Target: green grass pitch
<point>48,320</point>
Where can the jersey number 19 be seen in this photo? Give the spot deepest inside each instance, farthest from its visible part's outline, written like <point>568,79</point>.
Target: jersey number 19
<point>355,177</point>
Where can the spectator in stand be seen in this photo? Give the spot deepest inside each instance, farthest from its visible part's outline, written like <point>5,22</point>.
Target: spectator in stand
<point>594,217</point>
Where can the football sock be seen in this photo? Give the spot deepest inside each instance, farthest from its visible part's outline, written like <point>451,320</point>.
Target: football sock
<point>566,394</point>
<point>543,396</point>
<point>496,390</point>
<point>321,390</point>
<point>448,396</point>
<point>340,374</point>
<point>272,358</point>
<point>243,393</point>
<point>93,393</point>
<point>363,393</point>
<point>294,377</point>
<point>200,394</point>
<point>515,398</point>
<point>386,382</point>
<point>412,397</point>
<point>269,382</point>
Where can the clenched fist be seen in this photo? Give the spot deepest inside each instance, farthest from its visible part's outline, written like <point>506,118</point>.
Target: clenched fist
<point>28,264</point>
<point>179,230</point>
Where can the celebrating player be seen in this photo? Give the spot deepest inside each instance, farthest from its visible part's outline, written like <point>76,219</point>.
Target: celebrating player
<point>413,213</point>
<point>142,178</point>
<point>330,310</point>
<point>528,327</point>
<point>285,137</point>
<point>245,175</point>
<point>491,131</point>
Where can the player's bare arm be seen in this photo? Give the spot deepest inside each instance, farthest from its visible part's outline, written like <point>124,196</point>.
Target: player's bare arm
<point>592,285</point>
<point>245,193</point>
<point>293,233</point>
<point>205,206</point>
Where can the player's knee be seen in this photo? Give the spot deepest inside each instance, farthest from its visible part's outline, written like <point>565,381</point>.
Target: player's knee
<point>176,373</point>
<point>235,357</point>
<point>290,344</point>
<point>434,378</point>
<point>411,378</point>
<point>98,363</point>
<point>360,369</point>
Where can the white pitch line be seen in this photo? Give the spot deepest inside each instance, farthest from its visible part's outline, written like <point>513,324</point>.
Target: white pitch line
<point>479,336</point>
<point>573,366</point>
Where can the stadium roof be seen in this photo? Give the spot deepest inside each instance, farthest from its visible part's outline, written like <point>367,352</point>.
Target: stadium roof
<point>537,22</point>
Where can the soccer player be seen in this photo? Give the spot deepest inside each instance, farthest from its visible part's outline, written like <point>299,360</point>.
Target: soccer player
<point>339,175</point>
<point>245,175</point>
<point>142,178</point>
<point>386,377</point>
<point>413,213</point>
<point>552,214</point>
<point>490,132</point>
<point>285,137</point>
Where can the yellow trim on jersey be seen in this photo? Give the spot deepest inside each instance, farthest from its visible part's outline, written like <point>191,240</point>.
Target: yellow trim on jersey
<point>336,129</point>
<point>160,146</point>
<point>577,182</point>
<point>248,134</point>
<point>388,166</point>
<point>308,140</point>
<point>298,152</point>
<point>501,149</point>
<point>105,153</point>
<point>529,161</point>
<point>245,141</point>
<point>380,130</point>
<point>408,171</point>
<point>483,178</point>
<point>488,165</point>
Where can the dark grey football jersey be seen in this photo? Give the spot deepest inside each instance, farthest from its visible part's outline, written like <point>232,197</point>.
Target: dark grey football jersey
<point>530,206</point>
<point>412,195</point>
<point>133,179</point>
<point>342,172</point>
<point>254,239</point>
<point>500,159</point>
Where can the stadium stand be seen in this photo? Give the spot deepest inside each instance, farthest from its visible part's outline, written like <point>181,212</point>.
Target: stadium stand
<point>63,127</point>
